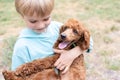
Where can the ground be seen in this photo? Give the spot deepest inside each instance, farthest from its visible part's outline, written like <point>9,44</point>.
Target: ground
<point>101,17</point>
<point>102,62</point>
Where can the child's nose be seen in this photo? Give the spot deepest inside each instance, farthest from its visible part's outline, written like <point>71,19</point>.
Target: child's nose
<point>41,25</point>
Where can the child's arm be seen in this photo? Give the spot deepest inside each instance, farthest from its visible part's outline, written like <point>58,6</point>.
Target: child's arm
<point>67,57</point>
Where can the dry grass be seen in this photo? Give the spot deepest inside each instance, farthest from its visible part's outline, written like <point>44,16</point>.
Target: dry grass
<point>101,17</point>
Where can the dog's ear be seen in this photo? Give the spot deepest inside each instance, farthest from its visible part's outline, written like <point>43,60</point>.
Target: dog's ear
<point>84,40</point>
<point>61,29</point>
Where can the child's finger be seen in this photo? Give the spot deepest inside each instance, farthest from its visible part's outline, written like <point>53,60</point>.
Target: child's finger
<point>62,67</point>
<point>57,51</point>
<point>57,63</point>
<point>65,70</point>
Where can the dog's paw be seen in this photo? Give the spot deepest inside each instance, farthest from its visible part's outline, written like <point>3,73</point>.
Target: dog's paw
<point>5,74</point>
<point>8,75</point>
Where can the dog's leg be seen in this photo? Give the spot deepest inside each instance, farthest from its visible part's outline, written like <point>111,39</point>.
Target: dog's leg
<point>47,74</point>
<point>36,65</point>
<point>9,75</point>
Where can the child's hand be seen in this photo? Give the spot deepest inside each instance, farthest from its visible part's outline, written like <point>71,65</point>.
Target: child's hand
<point>66,58</point>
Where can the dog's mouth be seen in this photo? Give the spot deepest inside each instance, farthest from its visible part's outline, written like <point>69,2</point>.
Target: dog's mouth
<point>63,44</point>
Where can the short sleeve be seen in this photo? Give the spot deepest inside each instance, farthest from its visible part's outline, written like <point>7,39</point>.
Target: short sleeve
<point>16,61</point>
<point>20,56</point>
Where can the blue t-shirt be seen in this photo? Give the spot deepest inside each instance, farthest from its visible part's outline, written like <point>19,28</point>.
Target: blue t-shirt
<point>31,45</point>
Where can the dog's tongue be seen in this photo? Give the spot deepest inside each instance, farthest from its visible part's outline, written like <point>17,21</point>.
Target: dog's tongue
<point>62,45</point>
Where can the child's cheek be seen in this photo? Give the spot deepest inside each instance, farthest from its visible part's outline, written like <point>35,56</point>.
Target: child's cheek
<point>30,25</point>
<point>48,22</point>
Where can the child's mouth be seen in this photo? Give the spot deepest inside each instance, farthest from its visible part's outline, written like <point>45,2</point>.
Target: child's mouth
<point>40,30</point>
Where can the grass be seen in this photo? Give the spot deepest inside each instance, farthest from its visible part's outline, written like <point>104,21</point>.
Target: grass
<point>112,65</point>
<point>85,9</point>
<point>8,50</point>
<point>107,39</point>
<point>101,17</point>
<point>112,28</point>
<point>8,15</point>
<point>2,32</point>
<point>105,52</point>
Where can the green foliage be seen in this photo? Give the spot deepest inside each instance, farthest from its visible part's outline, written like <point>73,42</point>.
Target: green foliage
<point>8,50</point>
<point>114,28</point>
<point>112,64</point>
<point>105,52</point>
<point>107,39</point>
<point>2,32</point>
<point>6,1</point>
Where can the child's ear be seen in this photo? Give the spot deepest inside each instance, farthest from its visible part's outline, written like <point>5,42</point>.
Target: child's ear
<point>84,41</point>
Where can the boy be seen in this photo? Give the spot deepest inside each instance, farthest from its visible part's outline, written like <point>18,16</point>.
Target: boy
<point>36,41</point>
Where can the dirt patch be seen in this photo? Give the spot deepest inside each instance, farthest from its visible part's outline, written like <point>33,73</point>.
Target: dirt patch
<point>99,24</point>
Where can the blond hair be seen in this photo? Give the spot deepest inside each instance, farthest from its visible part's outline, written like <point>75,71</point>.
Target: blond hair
<point>29,7</point>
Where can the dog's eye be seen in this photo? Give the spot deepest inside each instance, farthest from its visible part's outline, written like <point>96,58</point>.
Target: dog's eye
<point>75,31</point>
<point>65,27</point>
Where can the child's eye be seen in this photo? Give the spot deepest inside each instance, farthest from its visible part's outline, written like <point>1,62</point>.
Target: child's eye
<point>33,21</point>
<point>46,19</point>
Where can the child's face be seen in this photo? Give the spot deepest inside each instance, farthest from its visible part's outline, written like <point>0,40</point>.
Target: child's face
<point>36,23</point>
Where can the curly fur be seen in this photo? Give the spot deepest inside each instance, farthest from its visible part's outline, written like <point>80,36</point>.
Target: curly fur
<point>43,69</point>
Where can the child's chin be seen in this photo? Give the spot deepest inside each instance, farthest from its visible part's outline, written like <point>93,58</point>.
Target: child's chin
<point>40,31</point>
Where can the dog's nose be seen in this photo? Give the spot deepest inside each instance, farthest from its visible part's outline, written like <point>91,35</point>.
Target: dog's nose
<point>63,36</point>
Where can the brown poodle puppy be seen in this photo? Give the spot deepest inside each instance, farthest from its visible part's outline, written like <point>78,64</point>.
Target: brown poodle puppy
<point>72,34</point>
